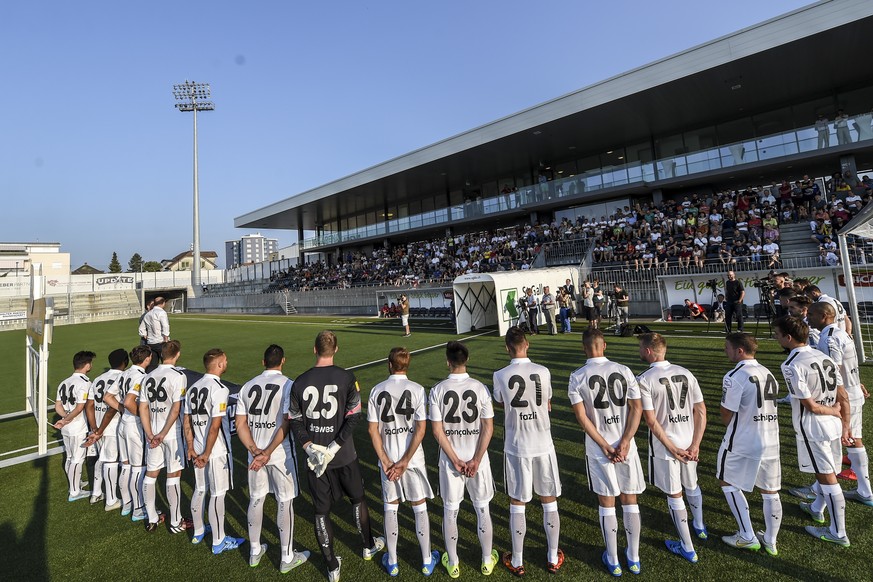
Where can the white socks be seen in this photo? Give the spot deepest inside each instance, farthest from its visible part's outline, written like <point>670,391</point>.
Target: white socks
<point>392,531</point>
<point>680,520</point>
<point>552,526</point>
<point>860,464</point>
<point>518,527</point>
<point>740,508</point>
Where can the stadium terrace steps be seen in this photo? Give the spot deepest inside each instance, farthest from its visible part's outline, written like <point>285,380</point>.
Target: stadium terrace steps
<point>78,308</point>
<point>796,240</point>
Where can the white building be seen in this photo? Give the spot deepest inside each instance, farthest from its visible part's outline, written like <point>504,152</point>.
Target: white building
<point>17,257</point>
<point>251,248</point>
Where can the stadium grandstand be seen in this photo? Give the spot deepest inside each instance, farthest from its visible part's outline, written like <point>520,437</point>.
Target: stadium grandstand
<point>713,158</point>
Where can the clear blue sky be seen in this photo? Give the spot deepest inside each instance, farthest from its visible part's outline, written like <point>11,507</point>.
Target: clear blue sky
<point>93,154</point>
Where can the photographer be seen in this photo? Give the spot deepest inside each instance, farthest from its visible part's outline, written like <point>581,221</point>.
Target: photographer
<point>735,293</point>
<point>695,310</point>
<point>622,305</point>
<point>403,303</point>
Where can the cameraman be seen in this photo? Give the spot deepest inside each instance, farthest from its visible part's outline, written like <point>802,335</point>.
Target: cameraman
<point>622,305</point>
<point>735,293</point>
<point>403,303</point>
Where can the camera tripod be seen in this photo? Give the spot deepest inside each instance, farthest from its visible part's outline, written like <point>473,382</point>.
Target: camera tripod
<point>766,300</point>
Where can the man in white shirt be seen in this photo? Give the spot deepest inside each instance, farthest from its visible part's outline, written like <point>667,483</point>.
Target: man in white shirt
<point>462,422</point>
<point>606,399</point>
<point>548,304</point>
<point>264,430</point>
<point>105,436</point>
<point>837,344</point>
<point>524,390</point>
<point>817,405</point>
<point>160,404</point>
<point>207,432</point>
<point>676,416</point>
<point>398,420</point>
<point>70,404</point>
<point>749,452</point>
<point>155,329</point>
<point>842,318</point>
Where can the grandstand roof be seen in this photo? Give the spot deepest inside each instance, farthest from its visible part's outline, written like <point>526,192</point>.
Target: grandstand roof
<point>757,69</point>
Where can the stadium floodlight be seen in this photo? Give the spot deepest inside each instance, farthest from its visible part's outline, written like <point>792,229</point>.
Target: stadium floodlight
<point>194,97</point>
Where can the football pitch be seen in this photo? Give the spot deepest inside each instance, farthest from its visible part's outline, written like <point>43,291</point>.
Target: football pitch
<point>44,537</point>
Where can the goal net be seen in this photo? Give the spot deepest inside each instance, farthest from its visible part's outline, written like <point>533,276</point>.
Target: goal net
<point>855,242</point>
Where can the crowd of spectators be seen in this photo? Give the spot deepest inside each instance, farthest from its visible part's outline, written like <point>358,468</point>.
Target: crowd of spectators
<point>727,228</point>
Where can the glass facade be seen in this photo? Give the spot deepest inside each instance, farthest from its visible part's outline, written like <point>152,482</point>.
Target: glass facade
<point>761,137</point>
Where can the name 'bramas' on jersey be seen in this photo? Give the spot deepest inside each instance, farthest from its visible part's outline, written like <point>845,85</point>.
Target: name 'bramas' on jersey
<point>323,397</point>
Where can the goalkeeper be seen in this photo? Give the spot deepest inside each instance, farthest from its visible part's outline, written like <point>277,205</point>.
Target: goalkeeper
<point>324,407</point>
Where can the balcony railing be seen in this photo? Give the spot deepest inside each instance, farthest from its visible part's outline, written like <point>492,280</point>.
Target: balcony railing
<point>763,148</point>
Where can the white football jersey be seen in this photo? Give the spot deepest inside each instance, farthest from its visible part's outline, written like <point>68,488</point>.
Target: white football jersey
<point>809,373</point>
<point>749,391</point>
<point>840,318</point>
<point>525,389</point>
<point>604,387</point>
<point>73,391</point>
<point>837,344</point>
<point>460,403</point>
<point>670,391</point>
<point>162,388</point>
<point>263,400</point>
<point>130,383</point>
<point>396,405</point>
<point>106,383</point>
<point>206,403</point>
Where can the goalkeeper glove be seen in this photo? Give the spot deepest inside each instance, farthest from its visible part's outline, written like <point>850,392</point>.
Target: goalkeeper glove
<point>315,454</point>
<point>328,453</point>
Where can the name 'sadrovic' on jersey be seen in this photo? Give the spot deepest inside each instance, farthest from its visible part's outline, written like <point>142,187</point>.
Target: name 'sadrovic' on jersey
<point>809,373</point>
<point>263,400</point>
<point>525,389</point>
<point>396,405</point>
<point>161,389</point>
<point>460,403</point>
<point>71,392</point>
<point>604,387</point>
<point>670,391</point>
<point>840,347</point>
<point>322,399</point>
<point>106,383</point>
<point>206,403</point>
<point>749,391</point>
<point>130,382</point>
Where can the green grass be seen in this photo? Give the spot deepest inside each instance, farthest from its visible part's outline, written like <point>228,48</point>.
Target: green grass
<point>44,537</point>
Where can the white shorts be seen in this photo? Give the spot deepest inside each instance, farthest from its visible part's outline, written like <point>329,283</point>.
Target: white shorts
<point>857,419</point>
<point>820,457</point>
<point>107,451</point>
<point>746,473</point>
<point>610,479</point>
<point>518,474</point>
<point>453,484</point>
<point>404,320</point>
<point>131,444</point>
<point>413,485</point>
<point>278,479</point>
<point>216,475</point>
<point>671,475</point>
<point>169,455</point>
<point>73,444</point>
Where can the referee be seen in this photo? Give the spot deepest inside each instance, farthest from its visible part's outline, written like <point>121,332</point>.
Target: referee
<point>324,408</point>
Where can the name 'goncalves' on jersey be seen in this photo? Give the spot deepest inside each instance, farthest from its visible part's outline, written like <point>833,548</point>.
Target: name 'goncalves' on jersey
<point>323,398</point>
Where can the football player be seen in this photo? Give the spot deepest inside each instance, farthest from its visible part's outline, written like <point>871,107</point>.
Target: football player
<point>70,404</point>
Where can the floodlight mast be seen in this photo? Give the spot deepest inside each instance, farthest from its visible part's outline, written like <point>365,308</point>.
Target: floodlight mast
<point>194,97</point>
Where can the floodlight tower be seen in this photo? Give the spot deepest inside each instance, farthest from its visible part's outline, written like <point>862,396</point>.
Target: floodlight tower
<point>194,97</point>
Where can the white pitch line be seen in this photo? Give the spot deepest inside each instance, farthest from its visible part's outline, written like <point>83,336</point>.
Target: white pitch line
<point>325,324</point>
<point>433,347</point>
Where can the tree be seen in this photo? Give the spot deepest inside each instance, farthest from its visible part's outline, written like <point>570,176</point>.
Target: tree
<point>135,263</point>
<point>114,265</point>
<point>152,267</point>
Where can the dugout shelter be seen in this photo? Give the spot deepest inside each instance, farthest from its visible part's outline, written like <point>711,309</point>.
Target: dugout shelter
<point>491,299</point>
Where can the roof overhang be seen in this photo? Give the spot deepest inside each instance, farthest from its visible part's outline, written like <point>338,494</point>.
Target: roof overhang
<point>755,70</point>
